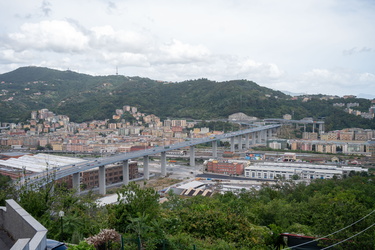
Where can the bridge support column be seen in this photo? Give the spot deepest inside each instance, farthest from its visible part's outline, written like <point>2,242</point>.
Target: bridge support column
<point>214,149</point>
<point>239,142</point>
<point>125,172</point>
<point>247,141</point>
<point>76,182</point>
<point>264,133</point>
<point>269,133</point>
<point>192,156</point>
<point>102,187</point>
<point>259,139</point>
<point>146,173</point>
<point>163,161</point>
<point>277,131</point>
<point>232,144</point>
<point>253,138</point>
<point>321,128</point>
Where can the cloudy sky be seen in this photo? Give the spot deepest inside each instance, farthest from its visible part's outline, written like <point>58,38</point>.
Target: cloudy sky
<point>309,46</point>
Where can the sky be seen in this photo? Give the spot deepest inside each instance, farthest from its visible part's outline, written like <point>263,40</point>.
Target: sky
<point>300,46</point>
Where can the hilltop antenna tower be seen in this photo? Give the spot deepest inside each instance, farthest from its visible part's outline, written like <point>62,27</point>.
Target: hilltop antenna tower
<point>116,71</point>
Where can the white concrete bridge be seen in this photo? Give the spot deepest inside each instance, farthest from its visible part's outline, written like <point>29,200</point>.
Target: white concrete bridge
<point>243,139</point>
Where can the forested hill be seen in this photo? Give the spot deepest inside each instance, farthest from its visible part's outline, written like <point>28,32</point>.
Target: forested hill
<point>83,97</point>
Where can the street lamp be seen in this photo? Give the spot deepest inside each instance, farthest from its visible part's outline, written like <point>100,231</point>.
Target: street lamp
<point>61,215</point>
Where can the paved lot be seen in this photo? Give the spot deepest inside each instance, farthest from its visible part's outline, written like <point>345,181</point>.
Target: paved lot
<point>177,170</point>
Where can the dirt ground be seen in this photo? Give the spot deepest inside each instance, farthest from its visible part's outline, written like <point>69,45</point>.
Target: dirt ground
<point>158,183</point>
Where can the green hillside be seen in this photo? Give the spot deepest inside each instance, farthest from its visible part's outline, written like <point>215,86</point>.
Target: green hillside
<point>83,97</point>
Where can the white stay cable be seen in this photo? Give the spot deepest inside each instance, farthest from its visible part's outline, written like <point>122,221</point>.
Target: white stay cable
<point>291,247</point>
<point>349,237</point>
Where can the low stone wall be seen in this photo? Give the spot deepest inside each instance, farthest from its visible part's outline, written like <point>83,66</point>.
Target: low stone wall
<point>27,231</point>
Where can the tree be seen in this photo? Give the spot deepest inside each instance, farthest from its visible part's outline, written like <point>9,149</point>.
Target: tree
<point>139,226</point>
<point>6,189</point>
<point>133,201</point>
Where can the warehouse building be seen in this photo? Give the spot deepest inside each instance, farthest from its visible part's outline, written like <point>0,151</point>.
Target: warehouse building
<point>302,171</point>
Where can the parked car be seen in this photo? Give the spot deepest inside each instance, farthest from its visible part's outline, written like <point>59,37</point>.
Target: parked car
<point>55,245</point>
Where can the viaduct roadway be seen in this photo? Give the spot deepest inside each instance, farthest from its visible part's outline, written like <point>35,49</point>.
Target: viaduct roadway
<point>258,135</point>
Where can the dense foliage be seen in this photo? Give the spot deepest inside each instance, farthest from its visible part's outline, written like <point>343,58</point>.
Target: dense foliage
<point>84,97</point>
<point>245,220</point>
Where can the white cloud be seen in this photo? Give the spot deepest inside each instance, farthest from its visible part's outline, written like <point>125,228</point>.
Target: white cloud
<point>325,76</point>
<point>46,7</point>
<point>111,7</point>
<point>106,38</point>
<point>335,82</point>
<point>356,50</point>
<point>315,46</point>
<point>11,56</point>
<point>260,70</point>
<point>125,59</point>
<point>58,36</point>
<point>179,52</point>
<point>367,78</point>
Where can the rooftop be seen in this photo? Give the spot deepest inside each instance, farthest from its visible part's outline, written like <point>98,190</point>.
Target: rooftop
<point>39,162</point>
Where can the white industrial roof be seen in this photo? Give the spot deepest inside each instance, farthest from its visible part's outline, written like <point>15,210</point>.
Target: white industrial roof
<point>110,199</point>
<point>40,162</point>
<point>285,166</point>
<point>293,169</point>
<point>192,184</point>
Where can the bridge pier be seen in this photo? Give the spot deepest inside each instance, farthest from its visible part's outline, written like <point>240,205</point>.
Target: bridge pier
<point>264,136</point>
<point>232,144</point>
<point>247,141</point>
<point>163,161</point>
<point>239,142</point>
<point>76,182</point>
<point>102,184</point>
<point>214,149</point>
<point>253,138</point>
<point>146,172</point>
<point>269,133</point>
<point>321,128</point>
<point>276,131</point>
<point>125,172</point>
<point>192,156</point>
<point>259,138</point>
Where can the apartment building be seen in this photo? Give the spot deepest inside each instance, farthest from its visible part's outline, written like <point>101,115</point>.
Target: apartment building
<point>228,167</point>
<point>330,136</point>
<point>346,136</point>
<point>309,136</point>
<point>371,147</point>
